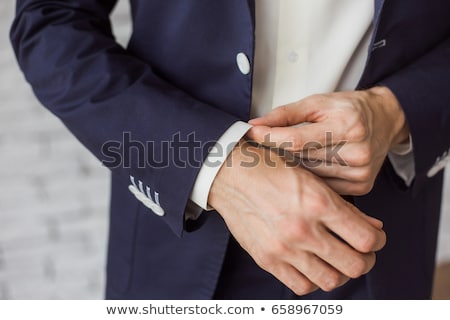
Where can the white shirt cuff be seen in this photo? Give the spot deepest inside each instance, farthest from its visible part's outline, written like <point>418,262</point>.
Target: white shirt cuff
<point>402,160</point>
<point>216,158</point>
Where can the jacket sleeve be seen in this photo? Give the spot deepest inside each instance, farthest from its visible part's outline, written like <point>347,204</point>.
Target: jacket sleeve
<point>423,89</point>
<point>113,102</point>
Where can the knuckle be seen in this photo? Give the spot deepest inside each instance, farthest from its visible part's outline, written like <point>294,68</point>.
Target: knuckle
<point>283,112</point>
<point>326,249</point>
<point>359,132</point>
<point>318,203</point>
<point>363,188</point>
<point>364,175</point>
<point>265,262</point>
<point>357,269</point>
<point>367,187</point>
<point>267,259</point>
<point>332,282</point>
<point>360,266</point>
<point>368,243</point>
<point>362,156</point>
<point>279,249</point>
<point>296,143</point>
<point>366,156</point>
<point>296,232</point>
<point>302,287</point>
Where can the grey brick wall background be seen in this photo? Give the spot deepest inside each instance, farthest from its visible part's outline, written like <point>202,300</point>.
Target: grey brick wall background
<point>54,194</point>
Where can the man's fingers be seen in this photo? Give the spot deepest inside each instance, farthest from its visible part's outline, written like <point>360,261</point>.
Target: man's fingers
<point>341,256</point>
<point>319,272</point>
<point>293,279</point>
<point>344,180</point>
<point>310,136</point>
<point>338,151</point>
<point>354,229</point>
<point>334,170</point>
<point>372,220</point>
<point>349,188</point>
<point>276,129</point>
<point>287,115</point>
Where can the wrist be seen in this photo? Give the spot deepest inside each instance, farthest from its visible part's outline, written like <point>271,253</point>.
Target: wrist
<point>393,111</point>
<point>237,175</point>
<point>224,182</point>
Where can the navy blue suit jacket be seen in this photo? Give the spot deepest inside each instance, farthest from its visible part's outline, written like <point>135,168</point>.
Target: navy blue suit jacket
<point>178,76</point>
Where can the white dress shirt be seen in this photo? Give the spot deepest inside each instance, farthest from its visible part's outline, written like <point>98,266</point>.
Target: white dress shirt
<point>302,47</point>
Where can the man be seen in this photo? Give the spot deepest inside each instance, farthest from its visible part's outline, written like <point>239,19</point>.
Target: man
<point>191,76</point>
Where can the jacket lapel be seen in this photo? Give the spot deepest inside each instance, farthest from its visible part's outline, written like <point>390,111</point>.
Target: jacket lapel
<point>378,7</point>
<point>379,4</point>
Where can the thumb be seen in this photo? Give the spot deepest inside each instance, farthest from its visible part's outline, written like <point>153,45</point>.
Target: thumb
<point>288,115</point>
<point>276,118</point>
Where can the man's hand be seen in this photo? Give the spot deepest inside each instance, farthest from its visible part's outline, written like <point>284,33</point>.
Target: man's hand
<point>347,139</point>
<point>291,223</point>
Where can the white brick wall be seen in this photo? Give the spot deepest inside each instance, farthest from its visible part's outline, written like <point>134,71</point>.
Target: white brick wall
<point>54,194</point>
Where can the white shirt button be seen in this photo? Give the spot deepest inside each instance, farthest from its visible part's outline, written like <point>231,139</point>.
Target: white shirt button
<point>243,63</point>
